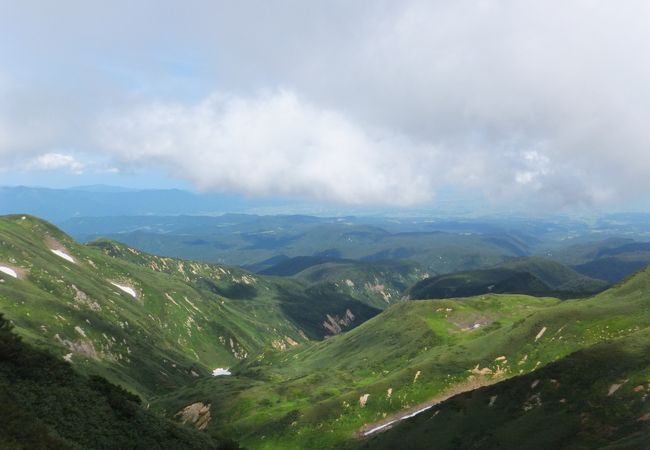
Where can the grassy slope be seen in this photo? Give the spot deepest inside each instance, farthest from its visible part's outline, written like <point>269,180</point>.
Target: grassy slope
<point>45,404</point>
<point>565,405</point>
<point>310,397</point>
<point>188,316</point>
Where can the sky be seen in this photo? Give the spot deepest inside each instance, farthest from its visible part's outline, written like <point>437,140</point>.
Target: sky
<point>537,104</point>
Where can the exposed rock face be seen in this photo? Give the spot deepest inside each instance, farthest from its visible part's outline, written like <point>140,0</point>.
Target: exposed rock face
<point>83,346</point>
<point>198,414</point>
<point>335,325</point>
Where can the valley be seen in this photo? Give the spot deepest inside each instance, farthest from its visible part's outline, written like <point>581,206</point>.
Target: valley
<point>311,352</point>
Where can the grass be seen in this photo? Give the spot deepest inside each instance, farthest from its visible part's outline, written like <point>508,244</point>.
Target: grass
<point>189,317</point>
<point>309,397</point>
<point>566,404</point>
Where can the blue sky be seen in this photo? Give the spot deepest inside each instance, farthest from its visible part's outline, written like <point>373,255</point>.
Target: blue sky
<point>370,103</point>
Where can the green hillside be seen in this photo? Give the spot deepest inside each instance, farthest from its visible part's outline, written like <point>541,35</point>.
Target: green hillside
<point>529,275</point>
<point>594,398</point>
<point>378,284</point>
<point>170,321</point>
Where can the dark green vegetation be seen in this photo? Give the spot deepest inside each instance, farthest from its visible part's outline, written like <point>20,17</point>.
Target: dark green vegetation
<point>45,404</point>
<point>530,275</point>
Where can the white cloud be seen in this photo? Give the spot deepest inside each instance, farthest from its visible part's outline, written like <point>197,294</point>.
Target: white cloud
<point>273,143</point>
<point>383,102</point>
<point>55,161</point>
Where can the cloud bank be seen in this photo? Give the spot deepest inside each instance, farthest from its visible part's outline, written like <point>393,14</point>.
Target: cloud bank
<point>273,143</point>
<point>545,103</point>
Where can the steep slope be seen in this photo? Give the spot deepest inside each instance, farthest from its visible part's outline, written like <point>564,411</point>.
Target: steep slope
<point>413,355</point>
<point>530,275</point>
<point>45,404</point>
<point>150,323</point>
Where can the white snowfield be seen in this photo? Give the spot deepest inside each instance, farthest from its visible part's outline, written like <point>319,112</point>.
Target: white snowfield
<point>9,271</point>
<point>220,372</point>
<point>63,255</point>
<point>392,422</point>
<point>127,289</point>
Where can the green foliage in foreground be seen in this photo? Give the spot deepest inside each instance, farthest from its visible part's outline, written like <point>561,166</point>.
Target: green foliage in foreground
<point>45,404</point>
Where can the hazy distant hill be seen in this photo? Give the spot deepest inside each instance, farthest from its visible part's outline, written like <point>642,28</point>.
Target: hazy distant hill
<point>259,242</point>
<point>57,205</point>
<point>610,259</point>
<point>530,275</point>
<point>379,284</point>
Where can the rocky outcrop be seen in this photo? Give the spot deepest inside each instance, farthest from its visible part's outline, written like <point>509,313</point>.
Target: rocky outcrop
<point>335,325</point>
<point>198,414</point>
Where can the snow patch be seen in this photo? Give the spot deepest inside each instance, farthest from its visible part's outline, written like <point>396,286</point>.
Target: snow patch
<point>8,271</point>
<point>540,334</point>
<point>127,289</point>
<point>392,422</point>
<point>63,255</point>
<point>219,371</point>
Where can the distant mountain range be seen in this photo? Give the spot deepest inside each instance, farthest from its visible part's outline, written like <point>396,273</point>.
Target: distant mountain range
<point>91,201</point>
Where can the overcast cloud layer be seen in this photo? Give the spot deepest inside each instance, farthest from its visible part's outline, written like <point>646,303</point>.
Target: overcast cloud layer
<point>355,102</point>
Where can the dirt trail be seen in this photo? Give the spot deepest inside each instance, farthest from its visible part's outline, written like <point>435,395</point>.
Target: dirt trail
<point>388,422</point>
